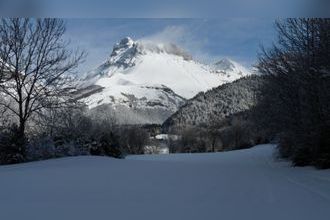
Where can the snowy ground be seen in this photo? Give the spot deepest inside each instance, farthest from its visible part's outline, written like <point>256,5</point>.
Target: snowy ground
<point>246,184</point>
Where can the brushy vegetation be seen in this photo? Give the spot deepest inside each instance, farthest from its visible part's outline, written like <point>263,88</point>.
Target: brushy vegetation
<point>294,100</point>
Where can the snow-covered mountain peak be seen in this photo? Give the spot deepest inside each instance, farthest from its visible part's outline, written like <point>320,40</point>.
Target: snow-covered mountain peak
<point>126,52</point>
<point>230,69</point>
<point>129,47</point>
<point>123,44</point>
<point>145,77</point>
<point>127,41</point>
<point>123,53</point>
<point>224,64</point>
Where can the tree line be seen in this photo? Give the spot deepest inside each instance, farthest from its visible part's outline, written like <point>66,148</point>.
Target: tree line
<point>294,102</point>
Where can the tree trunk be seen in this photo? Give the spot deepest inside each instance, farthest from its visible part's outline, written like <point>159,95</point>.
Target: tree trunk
<point>21,137</point>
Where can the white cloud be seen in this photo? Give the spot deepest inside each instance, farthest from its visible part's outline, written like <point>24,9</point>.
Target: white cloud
<point>183,37</point>
<point>170,34</point>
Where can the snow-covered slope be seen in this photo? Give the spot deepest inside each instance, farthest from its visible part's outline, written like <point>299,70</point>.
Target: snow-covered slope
<point>217,103</point>
<point>229,69</point>
<point>243,184</point>
<point>149,72</point>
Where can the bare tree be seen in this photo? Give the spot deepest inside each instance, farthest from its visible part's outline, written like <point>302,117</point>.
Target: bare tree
<point>212,131</point>
<point>296,95</point>
<point>35,64</point>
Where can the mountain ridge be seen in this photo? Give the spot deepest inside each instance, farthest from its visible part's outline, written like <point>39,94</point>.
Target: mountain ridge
<point>152,72</point>
<point>217,103</point>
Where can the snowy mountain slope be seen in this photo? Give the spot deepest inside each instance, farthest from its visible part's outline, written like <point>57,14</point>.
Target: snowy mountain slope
<point>136,104</point>
<point>152,72</point>
<point>220,102</point>
<point>230,69</point>
<point>242,184</point>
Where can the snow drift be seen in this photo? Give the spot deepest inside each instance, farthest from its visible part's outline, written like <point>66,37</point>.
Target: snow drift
<point>244,184</point>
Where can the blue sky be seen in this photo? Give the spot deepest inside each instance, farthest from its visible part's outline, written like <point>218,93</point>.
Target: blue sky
<point>164,9</point>
<point>208,40</point>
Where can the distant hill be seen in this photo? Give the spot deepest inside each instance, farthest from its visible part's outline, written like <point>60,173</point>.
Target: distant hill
<point>216,104</point>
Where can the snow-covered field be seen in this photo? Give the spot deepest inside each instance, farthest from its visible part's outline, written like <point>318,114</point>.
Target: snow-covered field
<point>246,184</point>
